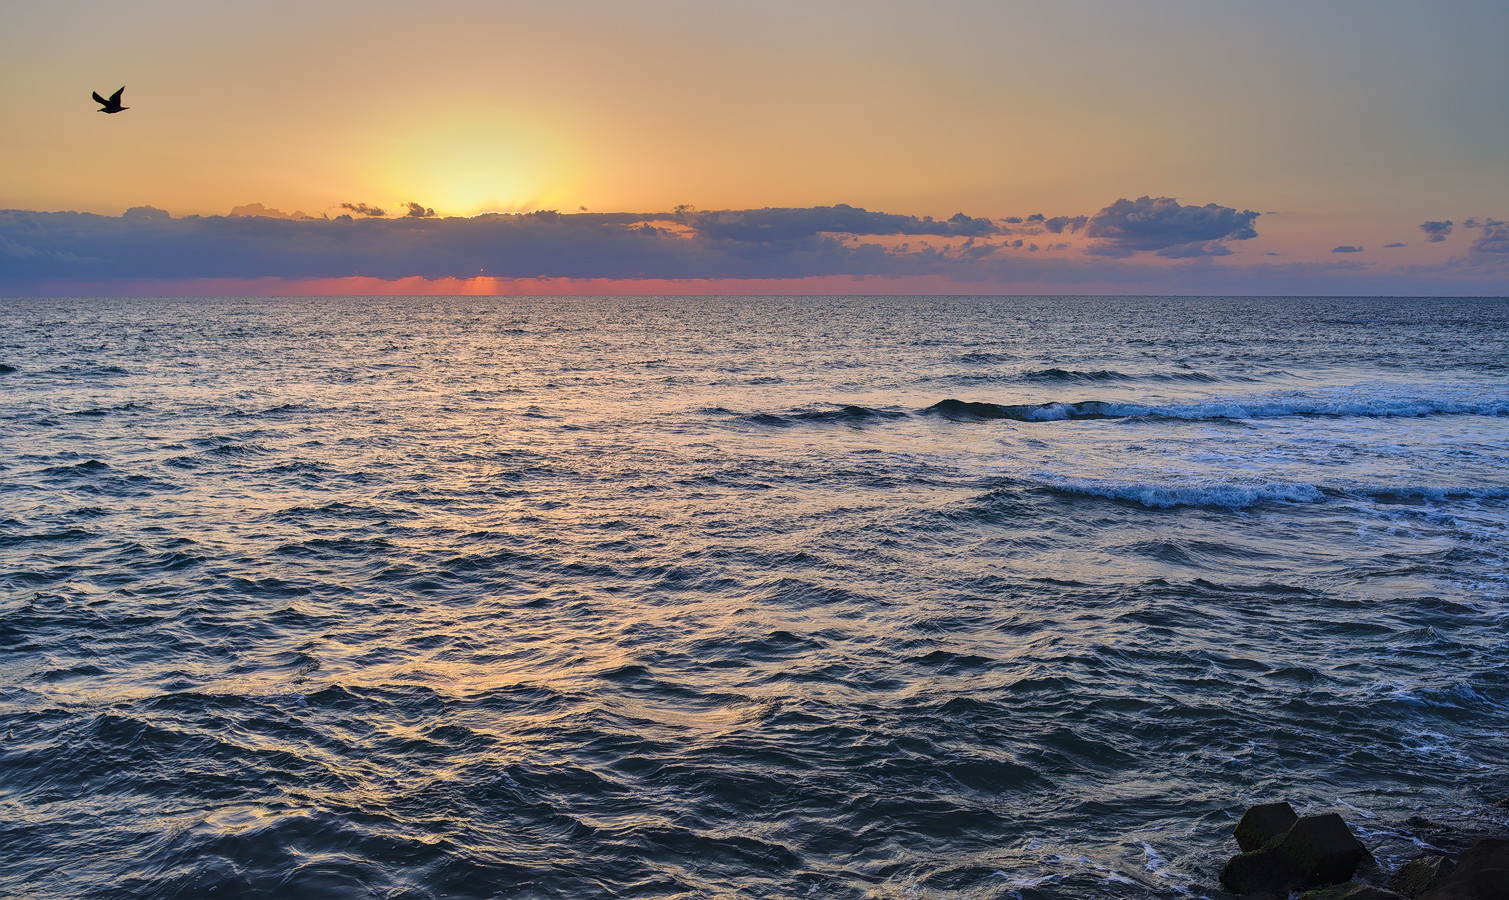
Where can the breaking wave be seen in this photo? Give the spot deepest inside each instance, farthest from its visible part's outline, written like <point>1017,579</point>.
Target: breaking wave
<point>1166,496</point>
<point>1255,408</point>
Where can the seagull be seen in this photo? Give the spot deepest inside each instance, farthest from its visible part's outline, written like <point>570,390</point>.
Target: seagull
<point>113,105</point>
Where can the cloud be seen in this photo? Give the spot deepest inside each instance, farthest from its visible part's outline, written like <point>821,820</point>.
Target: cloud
<point>1057,224</point>
<point>73,253</point>
<point>1164,226</point>
<point>773,225</point>
<point>363,209</point>
<point>1346,248</point>
<point>1494,239</point>
<point>415,211</point>
<point>145,213</point>
<point>258,210</point>
<point>1394,245</point>
<point>1195,251</point>
<point>1435,232</point>
<point>40,249</point>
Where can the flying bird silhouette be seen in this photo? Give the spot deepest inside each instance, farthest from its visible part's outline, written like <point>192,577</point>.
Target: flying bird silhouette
<point>113,105</point>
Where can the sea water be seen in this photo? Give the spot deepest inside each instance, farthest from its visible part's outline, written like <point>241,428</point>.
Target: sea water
<point>929,597</point>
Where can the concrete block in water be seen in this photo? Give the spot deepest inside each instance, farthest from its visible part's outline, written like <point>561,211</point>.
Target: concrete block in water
<point>1262,823</point>
<point>1315,851</point>
<point>1481,873</point>
<point>1323,849</point>
<point>1351,892</point>
<point>1419,875</point>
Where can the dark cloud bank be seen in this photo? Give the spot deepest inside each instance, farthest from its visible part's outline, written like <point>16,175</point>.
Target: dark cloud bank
<point>38,249</point>
<point>685,243</point>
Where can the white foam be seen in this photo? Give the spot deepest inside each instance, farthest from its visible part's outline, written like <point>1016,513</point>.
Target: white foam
<point>1164,496</point>
<point>1359,811</point>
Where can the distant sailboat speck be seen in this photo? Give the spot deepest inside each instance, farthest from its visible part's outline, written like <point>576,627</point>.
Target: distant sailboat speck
<point>113,105</point>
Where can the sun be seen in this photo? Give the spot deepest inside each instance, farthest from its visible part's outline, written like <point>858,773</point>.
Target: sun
<point>465,164</point>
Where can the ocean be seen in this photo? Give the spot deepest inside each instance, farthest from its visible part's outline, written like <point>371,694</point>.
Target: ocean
<point>732,597</point>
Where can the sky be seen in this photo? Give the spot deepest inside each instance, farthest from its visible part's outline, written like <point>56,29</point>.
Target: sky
<point>660,146</point>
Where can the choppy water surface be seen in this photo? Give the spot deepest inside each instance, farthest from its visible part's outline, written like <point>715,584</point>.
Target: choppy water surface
<point>930,597</point>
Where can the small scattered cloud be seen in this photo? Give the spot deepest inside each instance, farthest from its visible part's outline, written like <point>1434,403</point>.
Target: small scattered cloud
<point>1058,224</point>
<point>1494,239</point>
<point>1168,228</point>
<point>1346,248</point>
<point>1393,246</point>
<point>363,209</point>
<point>413,210</point>
<point>1435,232</point>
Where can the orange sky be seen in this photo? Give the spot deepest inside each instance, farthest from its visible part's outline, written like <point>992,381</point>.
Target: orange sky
<point>1346,123</point>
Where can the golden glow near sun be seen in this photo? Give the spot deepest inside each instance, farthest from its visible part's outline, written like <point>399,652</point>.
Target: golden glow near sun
<point>462,165</point>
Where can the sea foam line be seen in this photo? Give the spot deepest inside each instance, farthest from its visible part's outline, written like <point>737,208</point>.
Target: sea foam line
<point>1165,496</point>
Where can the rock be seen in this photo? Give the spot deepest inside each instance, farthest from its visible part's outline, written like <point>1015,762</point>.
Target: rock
<point>1419,875</point>
<point>1263,872</point>
<point>1481,873</point>
<point>1324,849</point>
<point>1262,823</point>
<point>1351,892</point>
<point>1315,851</point>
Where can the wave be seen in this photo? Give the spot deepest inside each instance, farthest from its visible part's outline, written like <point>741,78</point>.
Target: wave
<point>83,469</point>
<point>87,371</point>
<point>1242,495</point>
<point>1056,374</point>
<point>286,409</point>
<point>1167,496</point>
<point>1075,376</point>
<point>6,370</point>
<point>1271,408</point>
<point>1348,403</point>
<point>97,411</point>
<point>844,415</point>
<point>1411,494</point>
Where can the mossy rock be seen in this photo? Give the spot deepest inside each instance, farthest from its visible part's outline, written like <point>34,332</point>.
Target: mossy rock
<point>1418,875</point>
<point>1350,891</point>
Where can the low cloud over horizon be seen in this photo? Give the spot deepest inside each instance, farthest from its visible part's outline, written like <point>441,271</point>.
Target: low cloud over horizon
<point>1168,229</point>
<point>1147,244</point>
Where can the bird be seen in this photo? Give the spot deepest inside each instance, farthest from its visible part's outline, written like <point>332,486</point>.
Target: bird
<point>113,105</point>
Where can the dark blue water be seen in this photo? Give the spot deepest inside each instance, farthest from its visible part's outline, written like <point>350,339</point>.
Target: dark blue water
<point>840,598</point>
